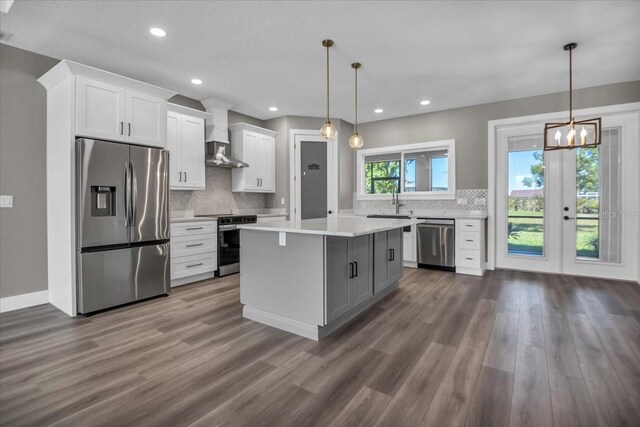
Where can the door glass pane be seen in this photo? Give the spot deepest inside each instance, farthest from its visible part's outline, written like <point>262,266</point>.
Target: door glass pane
<point>525,205</point>
<point>598,202</point>
<point>382,174</point>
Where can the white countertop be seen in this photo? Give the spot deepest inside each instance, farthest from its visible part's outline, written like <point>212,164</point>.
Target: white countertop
<point>192,219</point>
<point>428,213</point>
<point>346,226</point>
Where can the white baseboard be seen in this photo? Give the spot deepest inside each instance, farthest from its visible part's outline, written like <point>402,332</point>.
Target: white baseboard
<point>25,300</point>
<point>283,323</point>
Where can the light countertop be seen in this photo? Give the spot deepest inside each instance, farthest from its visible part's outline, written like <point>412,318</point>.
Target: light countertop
<point>345,226</point>
<point>428,213</point>
<point>192,219</point>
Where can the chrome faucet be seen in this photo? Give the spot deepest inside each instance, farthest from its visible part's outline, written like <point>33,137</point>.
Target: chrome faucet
<point>395,201</point>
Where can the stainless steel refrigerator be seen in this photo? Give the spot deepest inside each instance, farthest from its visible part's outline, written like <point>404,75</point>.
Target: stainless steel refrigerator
<point>122,223</point>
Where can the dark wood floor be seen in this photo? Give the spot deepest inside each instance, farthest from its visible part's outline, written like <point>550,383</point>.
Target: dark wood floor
<point>511,348</point>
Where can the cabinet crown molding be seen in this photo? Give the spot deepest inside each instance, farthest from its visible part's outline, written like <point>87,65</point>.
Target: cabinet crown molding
<point>247,126</point>
<point>189,111</point>
<point>66,68</point>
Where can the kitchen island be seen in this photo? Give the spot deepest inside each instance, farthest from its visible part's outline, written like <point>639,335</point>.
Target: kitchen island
<point>312,276</point>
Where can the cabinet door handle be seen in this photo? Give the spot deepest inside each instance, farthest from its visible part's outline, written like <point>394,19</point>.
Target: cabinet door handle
<point>350,270</point>
<point>468,240</point>
<point>194,228</point>
<point>121,128</point>
<point>356,268</point>
<point>390,255</point>
<point>129,129</point>
<point>195,265</point>
<point>180,176</point>
<point>257,182</point>
<point>469,258</point>
<point>194,245</point>
<point>185,176</point>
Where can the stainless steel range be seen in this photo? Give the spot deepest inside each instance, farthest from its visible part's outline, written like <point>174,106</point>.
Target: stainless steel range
<point>229,241</point>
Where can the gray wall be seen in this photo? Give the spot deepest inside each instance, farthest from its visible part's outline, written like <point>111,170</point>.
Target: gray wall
<point>468,125</point>
<point>346,158</point>
<point>23,229</point>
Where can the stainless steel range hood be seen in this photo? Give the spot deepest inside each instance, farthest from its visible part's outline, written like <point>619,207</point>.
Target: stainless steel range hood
<point>218,148</point>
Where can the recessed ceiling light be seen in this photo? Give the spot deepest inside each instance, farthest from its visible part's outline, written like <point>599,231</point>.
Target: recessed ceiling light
<point>378,110</point>
<point>425,102</point>
<point>196,81</point>
<point>158,32</point>
<point>273,108</point>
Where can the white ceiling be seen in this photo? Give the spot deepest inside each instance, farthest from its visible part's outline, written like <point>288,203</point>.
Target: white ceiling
<point>263,53</point>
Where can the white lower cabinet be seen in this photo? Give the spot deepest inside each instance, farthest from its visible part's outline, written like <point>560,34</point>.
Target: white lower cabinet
<point>409,248</point>
<point>470,249</point>
<point>349,274</point>
<point>194,251</point>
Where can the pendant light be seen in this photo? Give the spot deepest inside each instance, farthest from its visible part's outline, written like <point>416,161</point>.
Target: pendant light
<point>565,136</point>
<point>356,141</point>
<point>328,130</point>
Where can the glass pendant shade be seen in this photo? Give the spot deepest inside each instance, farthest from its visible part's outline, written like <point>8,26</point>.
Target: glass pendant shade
<point>356,141</point>
<point>328,130</point>
<point>572,134</point>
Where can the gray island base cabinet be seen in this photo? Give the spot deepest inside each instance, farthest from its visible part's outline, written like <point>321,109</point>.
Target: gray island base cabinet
<point>311,284</point>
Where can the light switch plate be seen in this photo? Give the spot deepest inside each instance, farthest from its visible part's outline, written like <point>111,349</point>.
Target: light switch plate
<point>6,201</point>
<point>480,201</point>
<point>462,201</point>
<point>282,238</point>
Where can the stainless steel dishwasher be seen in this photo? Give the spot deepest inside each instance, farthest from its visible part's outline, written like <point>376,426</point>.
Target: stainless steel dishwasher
<point>436,244</point>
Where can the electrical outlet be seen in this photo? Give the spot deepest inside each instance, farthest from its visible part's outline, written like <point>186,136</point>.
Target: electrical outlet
<point>480,201</point>
<point>282,202</point>
<point>6,201</point>
<point>462,201</point>
<point>282,238</point>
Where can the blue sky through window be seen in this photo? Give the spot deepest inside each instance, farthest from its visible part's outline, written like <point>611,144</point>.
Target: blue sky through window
<point>439,172</point>
<point>520,163</point>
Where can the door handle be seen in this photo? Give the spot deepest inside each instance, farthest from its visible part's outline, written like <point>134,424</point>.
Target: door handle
<point>129,131</point>
<point>134,194</point>
<point>567,217</point>
<point>195,265</point>
<point>126,194</point>
<point>329,212</point>
<point>194,245</point>
<point>185,176</point>
<point>121,128</point>
<point>356,268</point>
<point>257,182</point>
<point>194,228</point>
<point>350,270</point>
<point>393,254</point>
<point>390,255</point>
<point>180,176</point>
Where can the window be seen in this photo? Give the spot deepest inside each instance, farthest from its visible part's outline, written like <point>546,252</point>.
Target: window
<point>382,177</point>
<point>423,170</point>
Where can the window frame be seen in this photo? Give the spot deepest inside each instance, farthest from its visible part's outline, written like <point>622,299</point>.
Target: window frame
<point>448,144</point>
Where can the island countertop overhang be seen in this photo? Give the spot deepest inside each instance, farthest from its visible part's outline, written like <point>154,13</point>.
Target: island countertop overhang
<point>336,226</point>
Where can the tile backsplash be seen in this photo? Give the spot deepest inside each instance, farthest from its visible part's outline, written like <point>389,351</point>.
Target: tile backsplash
<point>216,197</point>
<point>470,195</point>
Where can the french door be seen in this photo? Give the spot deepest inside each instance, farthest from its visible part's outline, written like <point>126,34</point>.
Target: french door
<point>568,211</point>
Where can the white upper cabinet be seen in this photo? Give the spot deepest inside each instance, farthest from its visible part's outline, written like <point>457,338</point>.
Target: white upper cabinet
<point>185,142</point>
<point>257,147</point>
<point>145,118</point>
<point>107,111</point>
<point>100,110</point>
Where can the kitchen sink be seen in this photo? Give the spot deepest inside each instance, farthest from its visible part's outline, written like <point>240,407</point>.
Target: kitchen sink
<point>390,216</point>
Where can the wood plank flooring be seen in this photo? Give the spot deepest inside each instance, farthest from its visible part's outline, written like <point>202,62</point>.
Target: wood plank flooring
<point>511,348</point>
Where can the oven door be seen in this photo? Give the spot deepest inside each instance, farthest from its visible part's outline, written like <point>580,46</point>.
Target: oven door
<point>228,250</point>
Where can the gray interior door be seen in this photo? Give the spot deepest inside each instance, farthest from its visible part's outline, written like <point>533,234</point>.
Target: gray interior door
<point>100,181</point>
<point>313,171</point>
<point>150,194</point>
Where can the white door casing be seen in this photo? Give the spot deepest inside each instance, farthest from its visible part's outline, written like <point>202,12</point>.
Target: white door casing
<point>296,136</point>
<point>560,182</point>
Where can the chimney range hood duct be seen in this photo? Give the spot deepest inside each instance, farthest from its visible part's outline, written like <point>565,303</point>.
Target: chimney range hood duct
<point>217,136</point>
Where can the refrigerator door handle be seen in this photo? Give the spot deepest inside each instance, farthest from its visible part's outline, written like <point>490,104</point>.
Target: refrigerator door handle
<point>126,194</point>
<point>133,195</point>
